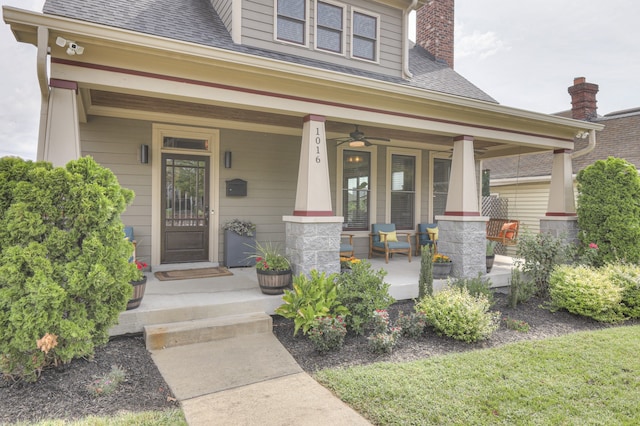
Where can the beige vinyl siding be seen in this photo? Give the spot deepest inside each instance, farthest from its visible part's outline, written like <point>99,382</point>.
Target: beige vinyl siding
<point>269,164</point>
<point>258,31</point>
<point>115,143</point>
<point>224,10</point>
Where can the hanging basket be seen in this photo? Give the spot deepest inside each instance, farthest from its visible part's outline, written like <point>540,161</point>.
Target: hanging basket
<point>138,292</point>
<point>273,282</point>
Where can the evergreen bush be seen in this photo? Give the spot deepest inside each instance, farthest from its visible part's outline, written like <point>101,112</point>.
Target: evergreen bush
<point>425,285</point>
<point>608,210</point>
<point>64,269</point>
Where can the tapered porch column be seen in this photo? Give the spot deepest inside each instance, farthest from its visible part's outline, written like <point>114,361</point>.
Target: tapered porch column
<point>61,142</point>
<point>462,231</point>
<point>313,231</point>
<point>561,219</point>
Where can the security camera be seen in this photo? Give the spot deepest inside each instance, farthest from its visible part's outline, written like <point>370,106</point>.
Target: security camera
<point>73,45</point>
<point>73,48</point>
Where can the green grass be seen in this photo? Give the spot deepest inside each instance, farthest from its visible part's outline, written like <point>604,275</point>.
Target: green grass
<point>589,378</point>
<point>172,417</point>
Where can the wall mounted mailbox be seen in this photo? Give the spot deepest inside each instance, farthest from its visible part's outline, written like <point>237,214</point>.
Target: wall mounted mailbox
<point>236,188</point>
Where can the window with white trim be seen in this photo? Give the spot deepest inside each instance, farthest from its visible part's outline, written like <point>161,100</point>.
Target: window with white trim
<point>291,21</point>
<point>403,191</point>
<point>330,27</point>
<point>364,36</point>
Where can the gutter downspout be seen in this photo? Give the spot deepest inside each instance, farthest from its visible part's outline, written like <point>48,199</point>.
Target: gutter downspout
<point>590,147</point>
<point>43,81</point>
<point>405,40</point>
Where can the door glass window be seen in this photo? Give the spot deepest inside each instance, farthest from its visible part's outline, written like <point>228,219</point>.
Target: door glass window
<point>356,174</point>
<point>185,192</point>
<point>185,143</point>
<point>403,190</point>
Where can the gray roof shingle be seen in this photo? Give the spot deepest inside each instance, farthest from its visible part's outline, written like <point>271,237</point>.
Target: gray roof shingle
<point>196,21</point>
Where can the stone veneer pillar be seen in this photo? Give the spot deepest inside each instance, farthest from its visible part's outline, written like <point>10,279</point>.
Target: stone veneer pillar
<point>313,243</point>
<point>564,227</point>
<point>463,239</point>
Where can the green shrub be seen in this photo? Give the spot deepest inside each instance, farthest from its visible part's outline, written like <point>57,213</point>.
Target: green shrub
<point>608,210</point>
<point>412,325</point>
<point>425,284</point>
<point>63,262</point>
<point>476,286</point>
<point>327,333</point>
<point>538,254</point>
<point>107,383</point>
<point>311,298</point>
<point>362,292</point>
<point>586,291</point>
<point>383,343</point>
<point>626,277</point>
<point>519,291</point>
<point>455,313</point>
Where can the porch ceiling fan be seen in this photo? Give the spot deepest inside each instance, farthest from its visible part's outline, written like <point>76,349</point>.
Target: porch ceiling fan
<point>357,139</point>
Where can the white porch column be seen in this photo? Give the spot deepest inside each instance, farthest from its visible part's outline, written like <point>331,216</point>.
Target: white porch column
<point>62,134</point>
<point>462,234</point>
<point>561,220</point>
<point>313,232</point>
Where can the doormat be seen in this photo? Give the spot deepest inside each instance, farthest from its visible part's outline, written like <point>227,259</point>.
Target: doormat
<point>191,274</point>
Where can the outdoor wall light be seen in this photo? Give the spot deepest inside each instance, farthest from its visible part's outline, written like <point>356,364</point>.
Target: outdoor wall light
<point>144,154</point>
<point>73,48</point>
<point>227,159</point>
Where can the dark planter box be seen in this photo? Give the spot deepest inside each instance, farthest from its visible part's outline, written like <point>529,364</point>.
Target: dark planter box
<point>238,249</point>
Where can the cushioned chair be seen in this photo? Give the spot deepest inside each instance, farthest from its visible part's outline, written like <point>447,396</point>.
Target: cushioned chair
<point>427,234</point>
<point>346,245</point>
<point>128,234</point>
<point>385,239</point>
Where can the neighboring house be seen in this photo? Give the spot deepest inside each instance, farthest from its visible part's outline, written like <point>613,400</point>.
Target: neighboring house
<point>525,180</point>
<point>191,102</point>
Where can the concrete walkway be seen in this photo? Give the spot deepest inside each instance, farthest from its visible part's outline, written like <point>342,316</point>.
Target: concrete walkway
<point>248,380</point>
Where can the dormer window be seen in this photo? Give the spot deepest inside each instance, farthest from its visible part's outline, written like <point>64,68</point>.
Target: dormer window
<point>330,27</point>
<point>364,37</point>
<point>291,21</point>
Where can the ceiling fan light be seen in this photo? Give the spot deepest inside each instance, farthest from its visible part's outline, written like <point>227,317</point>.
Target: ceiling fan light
<point>357,144</point>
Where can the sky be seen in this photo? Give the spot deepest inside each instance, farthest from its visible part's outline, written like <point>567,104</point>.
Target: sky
<point>525,54</point>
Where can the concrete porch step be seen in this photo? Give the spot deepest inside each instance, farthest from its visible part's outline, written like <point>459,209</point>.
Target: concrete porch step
<point>160,336</point>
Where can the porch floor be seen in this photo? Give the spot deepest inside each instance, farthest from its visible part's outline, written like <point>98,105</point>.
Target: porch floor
<point>186,300</point>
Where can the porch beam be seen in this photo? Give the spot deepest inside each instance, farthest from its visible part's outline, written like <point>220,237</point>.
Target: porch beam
<point>561,196</point>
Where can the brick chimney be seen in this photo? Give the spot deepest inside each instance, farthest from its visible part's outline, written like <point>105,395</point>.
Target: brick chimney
<point>583,99</point>
<point>434,29</point>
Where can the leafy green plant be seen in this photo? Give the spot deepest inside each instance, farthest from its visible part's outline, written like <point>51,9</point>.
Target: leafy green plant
<point>108,383</point>
<point>63,261</point>
<point>626,277</point>
<point>381,343</point>
<point>491,248</point>
<point>538,254</point>
<point>586,291</point>
<point>380,321</point>
<point>269,258</point>
<point>312,297</point>
<point>240,227</point>
<point>476,286</point>
<point>362,292</point>
<point>519,290</point>
<point>412,325</point>
<point>425,284</point>
<point>517,325</point>
<point>608,210</point>
<point>327,333</point>
<point>455,313</point>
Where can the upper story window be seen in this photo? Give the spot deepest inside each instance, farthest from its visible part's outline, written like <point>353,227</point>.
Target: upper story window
<point>364,37</point>
<point>330,27</point>
<point>291,21</point>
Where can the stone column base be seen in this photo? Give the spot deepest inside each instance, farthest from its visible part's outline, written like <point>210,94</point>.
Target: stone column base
<point>464,239</point>
<point>564,227</point>
<point>313,243</point>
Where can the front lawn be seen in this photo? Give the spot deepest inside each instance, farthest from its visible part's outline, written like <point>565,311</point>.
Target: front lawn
<point>579,379</point>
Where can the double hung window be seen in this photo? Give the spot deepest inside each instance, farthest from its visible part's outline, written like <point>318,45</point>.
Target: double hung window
<point>291,21</point>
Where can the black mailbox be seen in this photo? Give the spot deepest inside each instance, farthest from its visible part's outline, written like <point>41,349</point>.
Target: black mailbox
<point>236,188</point>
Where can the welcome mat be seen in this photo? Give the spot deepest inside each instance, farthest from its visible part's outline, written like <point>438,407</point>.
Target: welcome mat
<point>191,274</point>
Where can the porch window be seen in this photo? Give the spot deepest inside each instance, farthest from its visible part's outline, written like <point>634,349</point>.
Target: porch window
<point>185,143</point>
<point>403,191</point>
<point>329,27</point>
<point>441,173</point>
<point>356,174</point>
<point>291,21</point>
<point>364,42</point>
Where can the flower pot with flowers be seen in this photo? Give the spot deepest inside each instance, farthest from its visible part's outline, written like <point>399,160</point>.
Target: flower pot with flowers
<point>273,269</point>
<point>346,263</point>
<point>239,243</point>
<point>139,285</point>
<point>441,266</point>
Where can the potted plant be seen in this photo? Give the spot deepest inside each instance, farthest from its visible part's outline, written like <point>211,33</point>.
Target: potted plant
<point>441,266</point>
<point>346,263</point>
<point>239,243</point>
<point>139,285</point>
<point>491,255</point>
<point>273,269</point>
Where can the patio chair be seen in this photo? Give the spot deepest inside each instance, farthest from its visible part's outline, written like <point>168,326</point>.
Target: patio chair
<point>427,234</point>
<point>346,245</point>
<point>128,234</point>
<point>385,239</point>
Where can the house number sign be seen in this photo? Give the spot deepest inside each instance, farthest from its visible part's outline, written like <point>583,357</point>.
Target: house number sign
<point>318,144</point>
